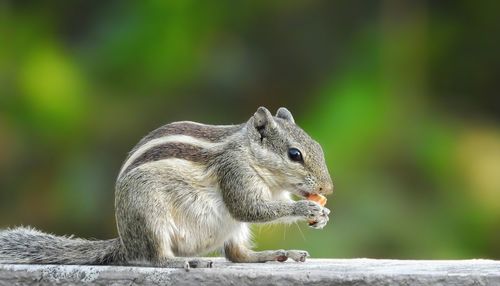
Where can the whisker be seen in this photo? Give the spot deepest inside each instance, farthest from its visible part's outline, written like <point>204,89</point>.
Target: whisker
<point>301,233</point>
<point>284,232</point>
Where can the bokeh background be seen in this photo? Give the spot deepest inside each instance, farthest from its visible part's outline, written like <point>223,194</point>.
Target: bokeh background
<point>403,96</point>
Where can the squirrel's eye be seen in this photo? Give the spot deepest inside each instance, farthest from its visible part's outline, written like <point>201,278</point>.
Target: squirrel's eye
<point>295,155</point>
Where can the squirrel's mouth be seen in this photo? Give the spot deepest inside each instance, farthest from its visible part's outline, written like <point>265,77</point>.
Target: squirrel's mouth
<point>304,194</point>
<point>301,193</point>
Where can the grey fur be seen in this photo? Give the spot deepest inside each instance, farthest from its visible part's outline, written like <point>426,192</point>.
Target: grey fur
<point>177,200</point>
<point>284,113</point>
<point>27,245</point>
<point>173,150</point>
<point>214,133</point>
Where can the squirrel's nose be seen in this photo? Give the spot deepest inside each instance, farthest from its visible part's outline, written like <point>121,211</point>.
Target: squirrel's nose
<point>326,189</point>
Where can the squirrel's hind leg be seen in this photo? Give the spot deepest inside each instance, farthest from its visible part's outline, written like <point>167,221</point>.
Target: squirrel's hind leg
<point>237,249</point>
<point>239,253</point>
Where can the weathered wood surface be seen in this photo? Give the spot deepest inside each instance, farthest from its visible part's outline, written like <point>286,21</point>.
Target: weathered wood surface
<point>312,272</point>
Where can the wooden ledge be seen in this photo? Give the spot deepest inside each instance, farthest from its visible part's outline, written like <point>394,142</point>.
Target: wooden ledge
<point>312,272</point>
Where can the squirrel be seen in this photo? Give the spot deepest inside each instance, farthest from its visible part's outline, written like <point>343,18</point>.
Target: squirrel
<point>187,189</point>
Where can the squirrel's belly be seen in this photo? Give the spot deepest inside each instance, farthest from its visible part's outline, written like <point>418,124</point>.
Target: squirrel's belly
<point>197,219</point>
<point>203,225</point>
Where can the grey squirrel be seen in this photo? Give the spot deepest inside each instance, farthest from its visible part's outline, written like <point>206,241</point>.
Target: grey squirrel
<point>187,189</point>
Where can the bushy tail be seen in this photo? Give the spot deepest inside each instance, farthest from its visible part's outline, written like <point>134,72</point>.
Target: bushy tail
<point>26,245</point>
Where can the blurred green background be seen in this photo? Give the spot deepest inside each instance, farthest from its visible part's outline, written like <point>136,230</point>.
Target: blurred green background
<point>403,96</point>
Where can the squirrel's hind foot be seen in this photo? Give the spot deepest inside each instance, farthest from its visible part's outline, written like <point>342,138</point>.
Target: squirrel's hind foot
<point>297,255</point>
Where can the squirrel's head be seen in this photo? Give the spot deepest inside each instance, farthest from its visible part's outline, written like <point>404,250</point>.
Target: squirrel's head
<point>285,156</point>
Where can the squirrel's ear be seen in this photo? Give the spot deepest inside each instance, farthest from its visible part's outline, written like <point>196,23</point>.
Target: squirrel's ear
<point>284,113</point>
<point>263,120</point>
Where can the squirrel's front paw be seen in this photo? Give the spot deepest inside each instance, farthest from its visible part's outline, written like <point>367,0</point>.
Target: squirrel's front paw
<point>316,215</point>
<point>321,221</point>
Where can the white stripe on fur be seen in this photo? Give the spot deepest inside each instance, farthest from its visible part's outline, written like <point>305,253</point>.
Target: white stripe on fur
<point>167,139</point>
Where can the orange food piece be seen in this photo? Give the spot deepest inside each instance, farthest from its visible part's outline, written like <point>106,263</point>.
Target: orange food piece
<point>317,198</point>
